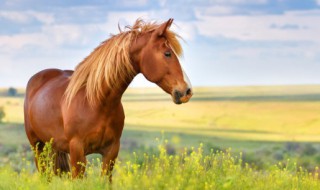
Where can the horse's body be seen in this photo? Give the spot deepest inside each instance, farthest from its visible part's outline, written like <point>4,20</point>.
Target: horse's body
<point>82,111</point>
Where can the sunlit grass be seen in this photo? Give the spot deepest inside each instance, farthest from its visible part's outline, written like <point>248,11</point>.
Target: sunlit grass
<point>271,121</point>
<point>220,116</point>
<point>190,169</point>
<point>13,108</point>
<point>153,110</point>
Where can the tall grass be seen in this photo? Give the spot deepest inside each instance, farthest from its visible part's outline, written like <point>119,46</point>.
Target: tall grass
<point>190,169</point>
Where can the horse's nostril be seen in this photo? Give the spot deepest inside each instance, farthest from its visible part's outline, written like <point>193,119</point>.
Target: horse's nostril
<point>189,92</point>
<point>177,94</point>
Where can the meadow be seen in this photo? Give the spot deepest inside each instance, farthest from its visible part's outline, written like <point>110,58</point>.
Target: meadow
<point>258,137</point>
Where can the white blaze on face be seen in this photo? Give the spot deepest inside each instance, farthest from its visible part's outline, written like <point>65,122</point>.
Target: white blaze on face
<point>186,79</point>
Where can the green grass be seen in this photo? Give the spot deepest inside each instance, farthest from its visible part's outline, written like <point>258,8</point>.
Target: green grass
<point>269,125</point>
<point>12,134</point>
<point>190,169</point>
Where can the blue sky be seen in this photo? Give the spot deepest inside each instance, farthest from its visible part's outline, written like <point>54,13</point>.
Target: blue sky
<point>227,42</point>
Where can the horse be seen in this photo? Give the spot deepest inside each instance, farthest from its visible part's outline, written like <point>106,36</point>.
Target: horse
<point>81,110</point>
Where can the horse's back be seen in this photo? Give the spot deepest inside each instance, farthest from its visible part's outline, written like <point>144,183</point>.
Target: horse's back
<point>42,107</point>
<point>41,78</point>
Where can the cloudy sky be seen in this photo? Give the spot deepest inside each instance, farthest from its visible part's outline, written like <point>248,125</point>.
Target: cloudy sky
<point>227,42</point>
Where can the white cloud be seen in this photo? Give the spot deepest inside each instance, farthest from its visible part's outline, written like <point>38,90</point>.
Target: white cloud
<point>306,51</point>
<point>130,3</point>
<point>215,10</point>
<point>27,16</point>
<point>65,33</point>
<point>55,35</point>
<point>187,30</point>
<point>5,59</point>
<point>162,3</point>
<point>49,37</point>
<point>243,27</point>
<point>42,17</point>
<point>127,17</point>
<point>14,16</point>
<point>15,42</point>
<point>238,2</point>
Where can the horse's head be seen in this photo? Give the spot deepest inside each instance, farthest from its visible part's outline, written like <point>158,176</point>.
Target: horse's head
<point>158,62</point>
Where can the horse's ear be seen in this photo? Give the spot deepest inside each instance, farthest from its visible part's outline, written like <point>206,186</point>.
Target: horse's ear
<point>161,30</point>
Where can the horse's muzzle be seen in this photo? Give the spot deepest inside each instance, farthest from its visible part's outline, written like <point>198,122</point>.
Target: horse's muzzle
<point>180,97</point>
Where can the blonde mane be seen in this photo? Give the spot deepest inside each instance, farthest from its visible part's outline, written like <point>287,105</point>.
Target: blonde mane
<point>109,64</point>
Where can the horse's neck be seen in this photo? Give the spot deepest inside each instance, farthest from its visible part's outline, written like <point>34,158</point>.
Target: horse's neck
<point>135,49</point>
<point>114,95</point>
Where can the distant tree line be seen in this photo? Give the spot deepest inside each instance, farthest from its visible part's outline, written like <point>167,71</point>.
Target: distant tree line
<point>12,91</point>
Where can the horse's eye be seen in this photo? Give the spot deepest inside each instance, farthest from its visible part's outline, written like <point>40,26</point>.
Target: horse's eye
<point>167,54</point>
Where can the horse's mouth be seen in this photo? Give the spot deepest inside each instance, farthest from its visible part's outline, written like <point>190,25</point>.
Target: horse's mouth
<point>179,97</point>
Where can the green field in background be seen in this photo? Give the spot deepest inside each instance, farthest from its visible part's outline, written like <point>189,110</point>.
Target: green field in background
<point>223,116</point>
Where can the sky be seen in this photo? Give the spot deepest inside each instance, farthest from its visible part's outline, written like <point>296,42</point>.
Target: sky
<point>226,42</point>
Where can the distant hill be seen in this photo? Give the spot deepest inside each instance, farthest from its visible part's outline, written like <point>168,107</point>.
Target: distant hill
<point>233,93</point>
<point>229,93</point>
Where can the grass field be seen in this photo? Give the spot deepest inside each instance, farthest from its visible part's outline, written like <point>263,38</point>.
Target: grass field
<point>265,114</point>
<point>273,114</point>
<point>191,169</point>
<point>278,113</point>
<point>268,124</point>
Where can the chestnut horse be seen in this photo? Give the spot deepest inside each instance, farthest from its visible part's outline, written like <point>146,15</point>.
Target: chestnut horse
<point>81,110</point>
